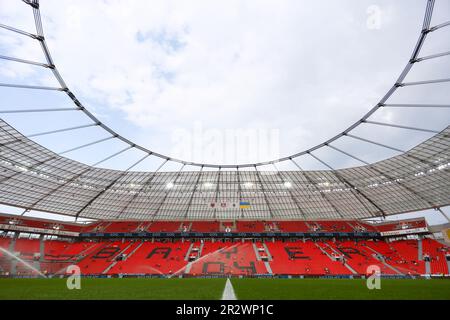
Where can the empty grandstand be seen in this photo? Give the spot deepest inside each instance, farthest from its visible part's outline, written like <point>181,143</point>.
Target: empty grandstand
<point>202,248</point>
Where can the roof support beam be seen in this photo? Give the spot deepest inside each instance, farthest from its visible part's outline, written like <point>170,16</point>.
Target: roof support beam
<point>264,192</point>
<point>31,168</point>
<point>409,189</point>
<point>24,33</point>
<point>71,180</point>
<point>144,185</point>
<point>399,126</point>
<point>24,86</point>
<point>433,56</point>
<point>217,192</point>
<point>38,64</point>
<point>439,26</point>
<point>38,110</point>
<point>193,192</point>
<point>389,147</point>
<point>375,143</point>
<point>61,130</point>
<point>412,105</point>
<point>347,154</point>
<point>353,188</point>
<point>238,176</point>
<point>313,184</point>
<point>283,180</point>
<point>86,145</point>
<point>414,58</point>
<point>167,192</point>
<point>443,214</point>
<point>417,83</point>
<point>124,173</point>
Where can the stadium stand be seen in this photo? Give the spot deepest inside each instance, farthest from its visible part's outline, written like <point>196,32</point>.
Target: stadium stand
<point>436,252</point>
<point>293,226</point>
<point>131,248</point>
<point>250,226</point>
<point>205,226</point>
<point>303,258</point>
<point>227,258</point>
<point>165,226</point>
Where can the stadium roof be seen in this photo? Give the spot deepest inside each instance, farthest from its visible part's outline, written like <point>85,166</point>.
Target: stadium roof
<point>35,178</point>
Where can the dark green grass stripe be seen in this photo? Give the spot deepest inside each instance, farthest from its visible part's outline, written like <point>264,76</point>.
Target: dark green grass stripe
<point>131,288</point>
<point>328,289</point>
<point>184,289</point>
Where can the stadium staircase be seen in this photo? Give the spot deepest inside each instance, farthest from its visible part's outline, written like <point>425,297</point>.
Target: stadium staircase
<point>128,254</point>
<point>419,249</point>
<point>129,248</point>
<point>262,253</point>
<point>185,227</point>
<point>188,253</point>
<point>353,228</point>
<point>228,258</point>
<point>146,226</point>
<point>334,255</point>
<point>271,227</point>
<point>359,257</point>
<point>427,267</point>
<point>382,259</point>
<point>225,224</point>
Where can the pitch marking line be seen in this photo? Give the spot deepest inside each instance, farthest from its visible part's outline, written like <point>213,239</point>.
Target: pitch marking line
<point>228,291</point>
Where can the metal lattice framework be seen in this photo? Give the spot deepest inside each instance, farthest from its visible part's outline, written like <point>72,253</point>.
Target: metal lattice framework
<point>35,178</point>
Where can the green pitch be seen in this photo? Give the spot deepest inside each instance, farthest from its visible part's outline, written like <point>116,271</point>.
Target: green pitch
<point>343,289</point>
<point>213,288</point>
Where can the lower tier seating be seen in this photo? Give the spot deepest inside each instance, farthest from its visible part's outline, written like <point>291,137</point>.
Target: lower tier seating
<point>436,252</point>
<point>302,257</point>
<point>227,258</point>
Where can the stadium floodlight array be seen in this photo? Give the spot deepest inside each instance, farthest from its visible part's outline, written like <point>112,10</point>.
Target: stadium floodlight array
<point>35,178</point>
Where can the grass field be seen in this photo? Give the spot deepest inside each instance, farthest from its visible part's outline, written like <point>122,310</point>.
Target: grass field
<point>212,289</point>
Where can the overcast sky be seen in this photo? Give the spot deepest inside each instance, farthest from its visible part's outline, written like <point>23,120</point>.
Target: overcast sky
<point>185,78</point>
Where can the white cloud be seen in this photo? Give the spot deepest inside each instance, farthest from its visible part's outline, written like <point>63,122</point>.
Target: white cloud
<point>307,69</point>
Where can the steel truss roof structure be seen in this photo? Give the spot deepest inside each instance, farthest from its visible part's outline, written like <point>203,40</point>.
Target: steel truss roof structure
<point>35,178</point>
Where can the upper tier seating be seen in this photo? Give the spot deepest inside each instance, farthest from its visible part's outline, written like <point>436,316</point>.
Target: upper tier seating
<point>361,227</point>
<point>165,226</point>
<point>293,226</point>
<point>335,226</point>
<point>122,226</point>
<point>401,225</point>
<point>250,226</point>
<point>31,222</point>
<point>205,226</point>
